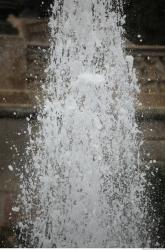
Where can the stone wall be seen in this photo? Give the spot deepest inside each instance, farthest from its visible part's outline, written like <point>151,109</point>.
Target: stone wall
<point>15,92</point>
<point>149,62</point>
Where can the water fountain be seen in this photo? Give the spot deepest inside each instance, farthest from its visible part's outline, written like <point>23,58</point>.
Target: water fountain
<point>84,185</point>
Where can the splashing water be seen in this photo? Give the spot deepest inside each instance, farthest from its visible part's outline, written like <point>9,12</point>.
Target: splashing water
<point>84,186</point>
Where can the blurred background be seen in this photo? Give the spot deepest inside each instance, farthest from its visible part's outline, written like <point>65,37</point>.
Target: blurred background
<point>24,43</point>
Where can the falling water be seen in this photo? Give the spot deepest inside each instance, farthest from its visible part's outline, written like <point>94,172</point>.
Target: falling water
<point>84,186</point>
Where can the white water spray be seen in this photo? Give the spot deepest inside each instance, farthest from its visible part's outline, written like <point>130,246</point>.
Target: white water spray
<point>84,186</point>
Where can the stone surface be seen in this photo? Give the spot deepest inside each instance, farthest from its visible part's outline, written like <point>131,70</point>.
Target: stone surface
<point>153,130</point>
<point>150,67</point>
<point>12,62</point>
<point>13,137</point>
<point>14,89</point>
<point>155,150</point>
<point>33,31</point>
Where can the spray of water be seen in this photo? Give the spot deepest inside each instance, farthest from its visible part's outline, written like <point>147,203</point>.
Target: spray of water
<point>84,186</point>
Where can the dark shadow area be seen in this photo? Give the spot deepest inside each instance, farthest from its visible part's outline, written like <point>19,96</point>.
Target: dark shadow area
<point>156,191</point>
<point>145,21</point>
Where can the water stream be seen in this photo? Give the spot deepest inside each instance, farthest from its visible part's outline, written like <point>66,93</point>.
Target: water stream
<point>84,185</point>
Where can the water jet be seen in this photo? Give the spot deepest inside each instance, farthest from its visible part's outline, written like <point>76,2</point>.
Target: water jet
<point>85,186</point>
